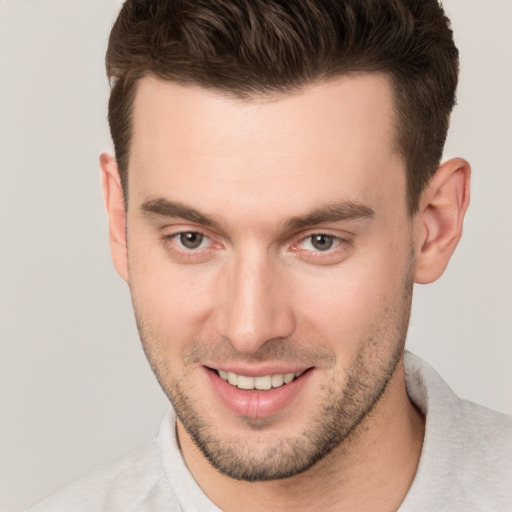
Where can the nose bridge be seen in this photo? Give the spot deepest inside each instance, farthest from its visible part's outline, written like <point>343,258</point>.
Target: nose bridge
<point>255,310</point>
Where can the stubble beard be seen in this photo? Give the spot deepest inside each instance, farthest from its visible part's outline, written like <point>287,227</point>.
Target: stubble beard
<point>254,456</point>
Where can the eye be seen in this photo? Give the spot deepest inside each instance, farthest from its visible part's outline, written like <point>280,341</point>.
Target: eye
<point>191,239</point>
<point>190,246</point>
<point>320,242</point>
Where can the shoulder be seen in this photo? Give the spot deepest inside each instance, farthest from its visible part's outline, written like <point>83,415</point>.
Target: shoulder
<point>481,461</point>
<point>449,414</point>
<point>486,444</point>
<point>466,457</point>
<point>136,482</point>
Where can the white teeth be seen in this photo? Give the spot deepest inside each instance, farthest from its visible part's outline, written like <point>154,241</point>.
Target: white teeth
<point>277,380</point>
<point>288,377</point>
<point>262,383</point>
<point>245,382</point>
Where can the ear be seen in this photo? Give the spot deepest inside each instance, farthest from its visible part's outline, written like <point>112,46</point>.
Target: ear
<point>114,203</point>
<point>439,220</point>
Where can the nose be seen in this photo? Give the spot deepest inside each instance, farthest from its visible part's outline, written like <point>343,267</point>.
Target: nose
<point>255,308</point>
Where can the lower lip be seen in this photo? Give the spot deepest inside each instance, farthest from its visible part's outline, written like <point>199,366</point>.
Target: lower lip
<point>255,403</point>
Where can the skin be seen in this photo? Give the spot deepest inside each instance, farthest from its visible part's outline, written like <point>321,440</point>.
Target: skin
<point>257,297</point>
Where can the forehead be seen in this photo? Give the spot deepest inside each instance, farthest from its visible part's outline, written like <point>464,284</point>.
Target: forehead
<point>187,137</point>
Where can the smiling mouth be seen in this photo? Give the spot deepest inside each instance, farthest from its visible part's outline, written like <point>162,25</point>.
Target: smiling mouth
<point>261,383</point>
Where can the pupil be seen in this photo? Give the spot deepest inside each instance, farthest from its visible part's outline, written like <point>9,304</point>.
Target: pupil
<point>322,242</point>
<point>191,240</point>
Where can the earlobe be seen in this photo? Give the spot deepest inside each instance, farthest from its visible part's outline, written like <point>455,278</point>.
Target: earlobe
<point>440,219</point>
<point>116,212</point>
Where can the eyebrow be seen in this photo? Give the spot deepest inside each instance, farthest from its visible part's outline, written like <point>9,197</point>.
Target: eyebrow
<point>165,208</point>
<point>332,212</point>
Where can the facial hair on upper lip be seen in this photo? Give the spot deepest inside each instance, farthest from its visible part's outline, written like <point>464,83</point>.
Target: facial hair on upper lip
<point>276,352</point>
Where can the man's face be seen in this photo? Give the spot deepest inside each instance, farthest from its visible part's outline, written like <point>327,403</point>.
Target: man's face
<point>269,245</point>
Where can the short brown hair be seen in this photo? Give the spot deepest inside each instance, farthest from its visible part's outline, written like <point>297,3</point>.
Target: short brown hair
<point>247,48</point>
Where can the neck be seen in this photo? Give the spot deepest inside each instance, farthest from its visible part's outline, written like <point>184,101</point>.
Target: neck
<point>372,469</point>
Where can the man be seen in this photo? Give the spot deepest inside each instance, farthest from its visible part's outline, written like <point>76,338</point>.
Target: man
<point>275,193</point>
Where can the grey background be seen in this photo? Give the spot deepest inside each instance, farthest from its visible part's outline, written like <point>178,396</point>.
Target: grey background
<point>75,389</point>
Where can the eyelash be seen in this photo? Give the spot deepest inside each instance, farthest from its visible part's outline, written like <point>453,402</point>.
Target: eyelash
<point>336,240</point>
<point>339,244</point>
<point>172,242</point>
<point>332,255</point>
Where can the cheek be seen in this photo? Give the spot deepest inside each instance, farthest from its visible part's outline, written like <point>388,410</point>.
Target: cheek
<point>345,302</point>
<point>173,300</point>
